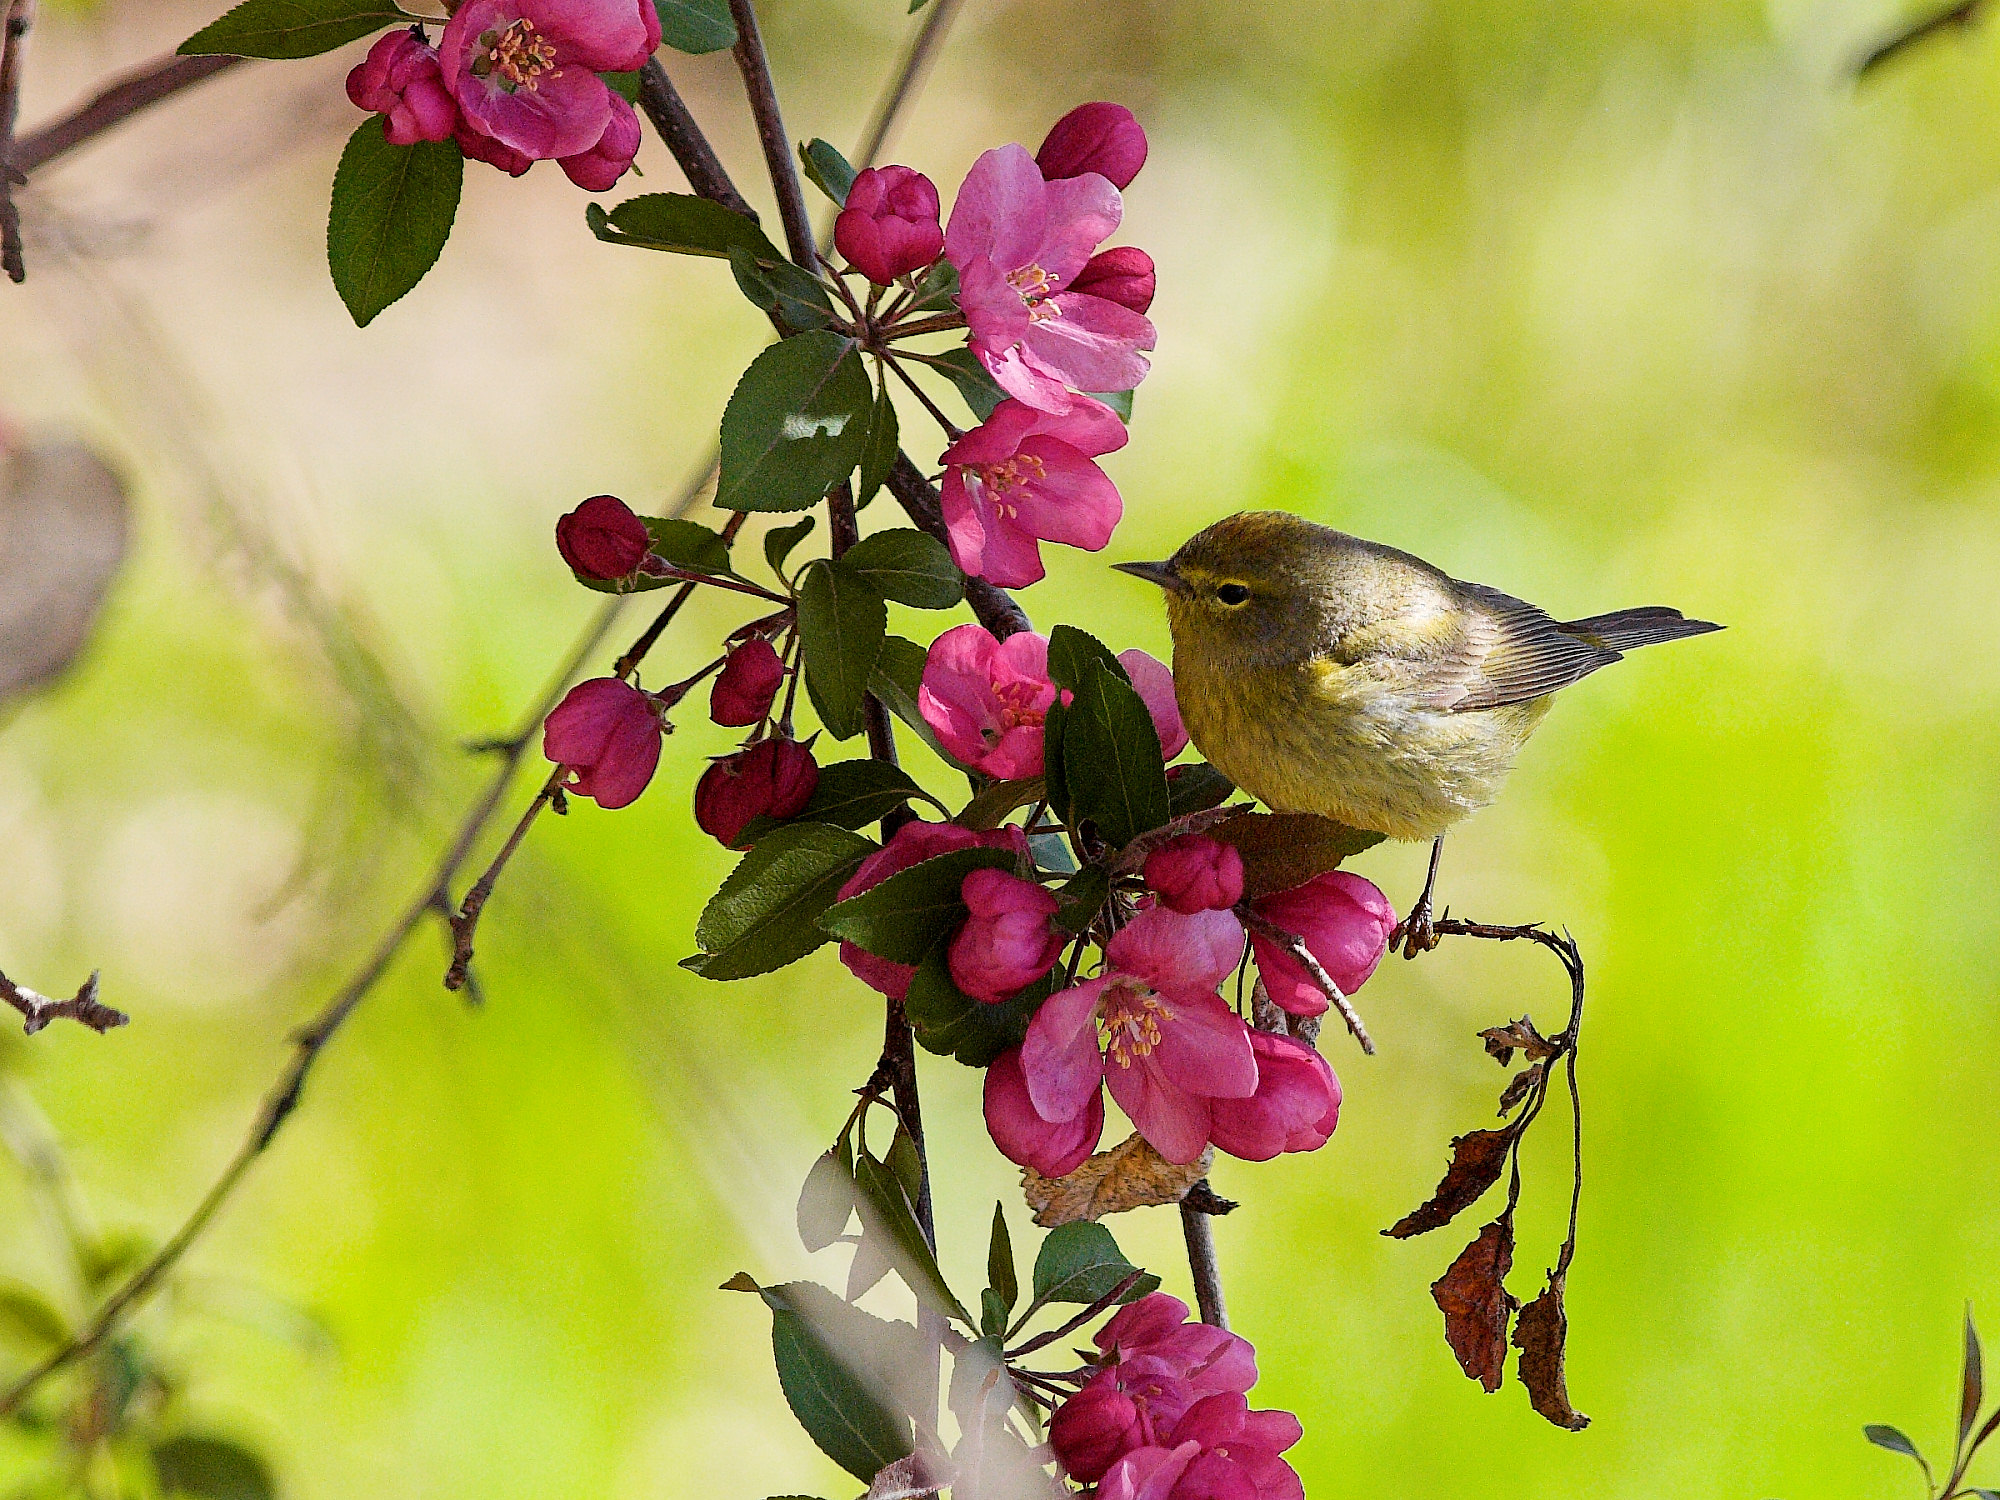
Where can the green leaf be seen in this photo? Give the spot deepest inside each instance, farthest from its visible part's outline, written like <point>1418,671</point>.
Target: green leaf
<point>826,1202</point>
<point>909,566</point>
<point>796,425</point>
<point>688,544</point>
<point>1972,1386</point>
<point>680,224</point>
<point>1052,852</point>
<point>779,542</point>
<point>696,26</point>
<point>1196,787</point>
<point>884,442</point>
<point>992,1314</point>
<point>392,211</point>
<point>765,915</point>
<point>907,1163</point>
<point>841,623</point>
<point>917,5</point>
<point>211,1468</point>
<point>1070,653</point>
<point>1054,777</point>
<point>953,1024</point>
<point>981,391</point>
<point>854,793</point>
<point>899,671</point>
<point>991,804</point>
<point>30,1317</point>
<point>891,1221</point>
<point>624,85</point>
<point>1892,1439</point>
<point>1081,897</point>
<point>1111,758</point>
<point>289,28</point>
<point>1000,1277</point>
<point>780,287</point>
<point>1081,1262</point>
<point>905,916</point>
<point>938,291</point>
<point>827,169</point>
<point>832,1362</point>
<point>1120,403</point>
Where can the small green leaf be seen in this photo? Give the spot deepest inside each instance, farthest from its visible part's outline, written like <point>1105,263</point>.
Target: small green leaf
<point>1070,653</point>
<point>832,1361</point>
<point>1111,759</point>
<point>855,793</point>
<point>981,391</point>
<point>899,672</point>
<point>891,1222</point>
<point>765,914</point>
<point>827,169</point>
<point>1082,895</point>
<point>624,85</point>
<point>688,544</point>
<point>780,287</point>
<point>884,442</point>
<point>1891,1438</point>
<point>908,566</point>
<point>1000,1277</point>
<point>796,424</point>
<point>696,26</point>
<point>907,1163</point>
<point>680,224</point>
<point>826,1202</point>
<point>1120,403</point>
<point>289,28</point>
<point>392,211</point>
<point>917,5</point>
<point>951,1023</point>
<point>211,1468</point>
<point>992,1314</point>
<point>30,1317</point>
<point>841,623</point>
<point>1196,787</point>
<point>779,542</point>
<point>938,291</point>
<point>991,804</point>
<point>1052,852</point>
<point>905,916</point>
<point>1081,1262</point>
<point>1053,777</point>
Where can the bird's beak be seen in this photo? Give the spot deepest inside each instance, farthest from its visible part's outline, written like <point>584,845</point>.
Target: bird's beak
<point>1155,572</point>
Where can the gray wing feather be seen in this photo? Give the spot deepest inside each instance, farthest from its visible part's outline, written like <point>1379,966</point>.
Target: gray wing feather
<point>1527,653</point>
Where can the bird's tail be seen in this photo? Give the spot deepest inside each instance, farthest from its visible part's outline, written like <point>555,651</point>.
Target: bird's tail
<point>1628,629</point>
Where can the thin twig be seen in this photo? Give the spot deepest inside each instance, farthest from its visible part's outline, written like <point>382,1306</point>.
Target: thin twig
<point>1199,1232</point>
<point>113,105</point>
<point>1955,17</point>
<point>1043,1340</point>
<point>1300,954</point>
<point>683,138</point>
<point>909,79</point>
<point>755,65</point>
<point>38,1010</point>
<point>13,48</point>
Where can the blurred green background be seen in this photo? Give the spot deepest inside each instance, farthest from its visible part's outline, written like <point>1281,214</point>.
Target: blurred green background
<point>1605,302</point>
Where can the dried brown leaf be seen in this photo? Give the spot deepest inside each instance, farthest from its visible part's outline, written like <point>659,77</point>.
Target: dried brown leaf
<point>1129,1175</point>
<point>1282,850</point>
<point>62,537</point>
<point>1503,1041</point>
<point>1539,1334</point>
<point>1519,1085</point>
<point>1476,1304</point>
<point>1476,1160</point>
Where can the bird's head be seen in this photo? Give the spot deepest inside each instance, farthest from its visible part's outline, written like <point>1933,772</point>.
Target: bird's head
<point>1250,587</point>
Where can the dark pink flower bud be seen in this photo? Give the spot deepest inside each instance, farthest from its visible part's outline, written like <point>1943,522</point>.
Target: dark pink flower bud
<point>599,168</point>
<point>749,680</point>
<point>602,539</point>
<point>773,778</point>
<point>606,734</point>
<point>1295,1108</point>
<point>1124,275</point>
<point>1193,873</point>
<point>400,78</point>
<point>1095,1428</point>
<point>476,145</point>
<point>912,844</point>
<point>1345,923</point>
<point>1100,138</point>
<point>890,226</point>
<point>1024,1137</point>
<point>1008,941</point>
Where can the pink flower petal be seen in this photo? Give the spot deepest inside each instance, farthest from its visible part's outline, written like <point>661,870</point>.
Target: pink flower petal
<point>1206,1050</point>
<point>1155,686</point>
<point>1053,1148</point>
<point>1172,1119</point>
<point>1001,211</point>
<point>1061,1059</point>
<point>1179,954</point>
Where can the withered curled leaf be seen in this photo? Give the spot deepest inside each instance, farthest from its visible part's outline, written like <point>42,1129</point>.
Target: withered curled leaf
<point>1130,1175</point>
<point>1476,1160</point>
<point>1502,1042</point>
<point>1520,1086</point>
<point>1476,1304</point>
<point>1539,1334</point>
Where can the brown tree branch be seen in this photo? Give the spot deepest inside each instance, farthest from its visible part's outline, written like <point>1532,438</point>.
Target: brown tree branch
<point>703,169</point>
<point>38,1010</point>
<point>13,48</point>
<point>1202,1265</point>
<point>113,105</point>
<point>755,66</point>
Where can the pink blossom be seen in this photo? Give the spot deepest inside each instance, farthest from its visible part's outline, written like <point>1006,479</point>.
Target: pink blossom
<point>987,698</point>
<point>475,145</point>
<point>1149,1473</point>
<point>606,735</point>
<point>1022,1135</point>
<point>774,778</point>
<point>1152,1029</point>
<point>524,72</point>
<point>1025,476</point>
<point>1209,1359</point>
<point>598,169</point>
<point>1101,138</point>
<point>912,844</point>
<point>1345,923</point>
<point>602,539</point>
<point>748,682</point>
<point>1008,941</point>
<point>400,78</point>
<point>889,226</point>
<point>1239,1451</point>
<point>1018,242</point>
<point>1123,275</point>
<point>1154,684</point>
<point>1295,1108</point>
<point>1195,873</point>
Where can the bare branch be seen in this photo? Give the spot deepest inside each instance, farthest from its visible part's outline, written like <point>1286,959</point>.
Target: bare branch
<point>683,138</point>
<point>38,1010</point>
<point>13,47</point>
<point>1200,1236</point>
<point>755,65</point>
<point>113,105</point>
<point>1300,954</point>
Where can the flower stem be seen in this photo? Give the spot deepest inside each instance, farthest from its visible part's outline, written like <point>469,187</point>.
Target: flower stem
<point>755,65</point>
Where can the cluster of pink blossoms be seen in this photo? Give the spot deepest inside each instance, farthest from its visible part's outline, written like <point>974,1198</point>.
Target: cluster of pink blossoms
<point>1166,1417</point>
<point>515,82</point>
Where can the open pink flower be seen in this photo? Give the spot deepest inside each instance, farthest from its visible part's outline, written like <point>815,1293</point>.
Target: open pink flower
<point>1209,1359</point>
<point>524,72</point>
<point>1009,940</point>
<point>987,698</point>
<point>1152,1028</point>
<point>1195,873</point>
<point>1295,1108</point>
<point>606,735</point>
<point>1345,923</point>
<point>1052,1148</point>
<point>748,682</point>
<point>889,226</point>
<point>912,844</point>
<point>598,169</point>
<point>1239,1451</point>
<point>1018,241</point>
<point>400,77</point>
<point>1023,477</point>
<point>1103,138</point>
<point>1154,683</point>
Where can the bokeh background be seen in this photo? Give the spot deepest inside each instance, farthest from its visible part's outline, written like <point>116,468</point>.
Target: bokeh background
<point>1606,302</point>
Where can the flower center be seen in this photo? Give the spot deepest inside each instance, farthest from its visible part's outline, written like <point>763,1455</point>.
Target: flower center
<point>1016,708</point>
<point>1129,1017</point>
<point>517,57</point>
<point>1003,480</point>
<point>1037,289</point>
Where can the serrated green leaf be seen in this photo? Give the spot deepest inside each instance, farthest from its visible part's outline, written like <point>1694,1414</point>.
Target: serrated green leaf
<point>907,1163</point>
<point>765,915</point>
<point>891,1222</point>
<point>1000,1276</point>
<point>796,424</point>
<point>841,624</point>
<point>908,914</point>
<point>696,26</point>
<point>951,1023</point>
<point>899,672</point>
<point>211,1468</point>
<point>779,542</point>
<point>992,1314</point>
<point>938,291</point>
<point>855,793</point>
<point>991,804</point>
<point>1111,759</point>
<point>827,169</point>
<point>1070,653</point>
<point>832,1360</point>
<point>289,28</point>
<point>980,391</point>
<point>1081,1262</point>
<point>780,287</point>
<point>884,443</point>
<point>392,212</point>
<point>688,544</point>
<point>908,566</point>
<point>826,1202</point>
<point>680,224</point>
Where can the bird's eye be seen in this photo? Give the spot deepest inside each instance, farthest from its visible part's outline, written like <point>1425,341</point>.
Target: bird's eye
<point>1232,593</point>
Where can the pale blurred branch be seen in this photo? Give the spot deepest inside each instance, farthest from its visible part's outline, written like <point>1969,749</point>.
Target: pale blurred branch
<point>1958,17</point>
<point>38,1010</point>
<point>112,105</point>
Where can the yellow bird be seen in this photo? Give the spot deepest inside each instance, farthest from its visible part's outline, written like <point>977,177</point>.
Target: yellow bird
<point>1326,674</point>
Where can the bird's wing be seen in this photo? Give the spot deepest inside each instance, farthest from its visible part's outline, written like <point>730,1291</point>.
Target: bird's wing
<point>1513,652</point>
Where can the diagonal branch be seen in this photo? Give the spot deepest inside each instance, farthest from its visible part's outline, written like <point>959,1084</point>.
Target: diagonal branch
<point>1300,954</point>
<point>683,138</point>
<point>38,1010</point>
<point>14,21</point>
<point>755,65</point>
<point>113,105</point>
